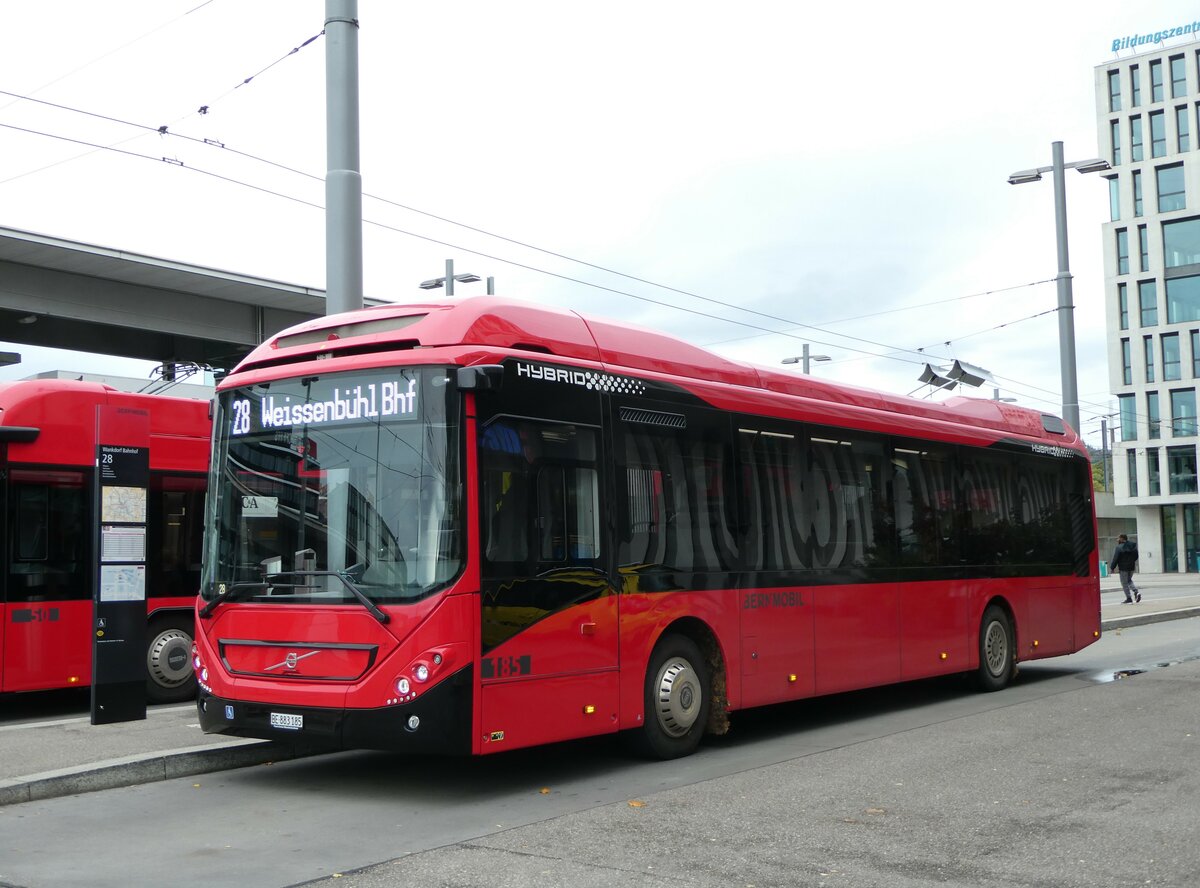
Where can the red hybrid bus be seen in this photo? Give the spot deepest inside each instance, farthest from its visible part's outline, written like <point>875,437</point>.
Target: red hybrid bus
<point>48,455</point>
<point>471,526</point>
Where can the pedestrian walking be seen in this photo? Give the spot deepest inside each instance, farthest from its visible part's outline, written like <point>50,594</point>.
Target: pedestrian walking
<point>1124,560</point>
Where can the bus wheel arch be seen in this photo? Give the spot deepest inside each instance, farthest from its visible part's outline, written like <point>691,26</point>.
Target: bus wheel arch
<point>997,646</point>
<point>684,692</point>
<point>169,675</point>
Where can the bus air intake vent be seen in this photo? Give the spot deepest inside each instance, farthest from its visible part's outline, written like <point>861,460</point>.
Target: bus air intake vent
<point>654,418</point>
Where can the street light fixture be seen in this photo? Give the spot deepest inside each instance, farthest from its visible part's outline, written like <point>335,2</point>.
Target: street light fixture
<point>1066,306</point>
<point>805,359</point>
<point>449,279</point>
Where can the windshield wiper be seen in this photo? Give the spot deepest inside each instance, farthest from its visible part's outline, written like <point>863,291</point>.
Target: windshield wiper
<point>231,593</point>
<point>347,578</point>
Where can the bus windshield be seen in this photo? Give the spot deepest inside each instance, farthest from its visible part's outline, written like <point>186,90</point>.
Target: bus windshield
<point>329,488</point>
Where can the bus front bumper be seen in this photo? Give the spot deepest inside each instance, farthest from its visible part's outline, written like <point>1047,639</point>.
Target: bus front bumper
<point>439,721</point>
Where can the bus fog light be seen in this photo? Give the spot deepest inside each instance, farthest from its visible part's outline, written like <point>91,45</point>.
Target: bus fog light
<point>204,674</point>
<point>413,723</point>
<point>402,686</point>
<point>421,672</point>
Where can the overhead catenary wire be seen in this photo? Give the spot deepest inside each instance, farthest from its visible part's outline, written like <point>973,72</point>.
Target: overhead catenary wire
<point>762,331</point>
<point>896,352</point>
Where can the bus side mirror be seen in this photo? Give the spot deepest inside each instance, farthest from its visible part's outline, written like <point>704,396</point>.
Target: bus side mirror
<point>480,378</point>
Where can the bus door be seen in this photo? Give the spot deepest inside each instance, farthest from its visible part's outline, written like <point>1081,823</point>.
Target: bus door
<point>548,609</point>
<point>48,570</point>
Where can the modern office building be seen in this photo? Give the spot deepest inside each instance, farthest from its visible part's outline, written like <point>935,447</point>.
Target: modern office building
<point>1148,115</point>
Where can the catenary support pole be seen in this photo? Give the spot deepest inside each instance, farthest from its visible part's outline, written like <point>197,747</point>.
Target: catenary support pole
<point>343,180</point>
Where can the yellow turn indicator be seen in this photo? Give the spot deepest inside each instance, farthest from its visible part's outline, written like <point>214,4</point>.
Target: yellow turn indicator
<point>1096,633</point>
<point>589,709</point>
<point>1035,642</point>
<point>945,656</point>
<point>792,677</point>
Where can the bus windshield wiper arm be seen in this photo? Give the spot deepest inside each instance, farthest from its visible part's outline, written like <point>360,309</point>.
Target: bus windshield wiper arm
<point>232,593</point>
<point>345,577</point>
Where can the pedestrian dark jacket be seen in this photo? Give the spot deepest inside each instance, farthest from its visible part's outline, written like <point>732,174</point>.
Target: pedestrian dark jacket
<point>1125,556</point>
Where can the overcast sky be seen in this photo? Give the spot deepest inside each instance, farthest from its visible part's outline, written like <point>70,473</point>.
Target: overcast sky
<point>837,172</point>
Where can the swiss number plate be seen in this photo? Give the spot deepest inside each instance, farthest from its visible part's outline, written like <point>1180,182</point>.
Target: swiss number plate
<point>287,721</point>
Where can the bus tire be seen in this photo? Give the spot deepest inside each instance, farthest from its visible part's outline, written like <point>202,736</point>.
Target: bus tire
<point>997,650</point>
<point>169,675</point>
<point>677,700</point>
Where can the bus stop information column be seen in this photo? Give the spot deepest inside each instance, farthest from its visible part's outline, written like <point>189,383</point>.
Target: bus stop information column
<point>119,636</point>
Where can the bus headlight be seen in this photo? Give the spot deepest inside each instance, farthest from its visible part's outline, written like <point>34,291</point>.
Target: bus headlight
<point>421,672</point>
<point>402,686</point>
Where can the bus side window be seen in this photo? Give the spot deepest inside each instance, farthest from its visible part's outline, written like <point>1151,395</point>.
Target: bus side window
<point>48,539</point>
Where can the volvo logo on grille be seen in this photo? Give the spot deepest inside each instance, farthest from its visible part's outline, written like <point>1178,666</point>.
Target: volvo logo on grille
<point>291,660</point>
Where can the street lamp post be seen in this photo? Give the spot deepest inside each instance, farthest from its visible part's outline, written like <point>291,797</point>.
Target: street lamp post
<point>1066,304</point>
<point>805,359</point>
<point>450,278</point>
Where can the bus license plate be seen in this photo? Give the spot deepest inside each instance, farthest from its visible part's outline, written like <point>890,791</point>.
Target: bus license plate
<point>287,721</point>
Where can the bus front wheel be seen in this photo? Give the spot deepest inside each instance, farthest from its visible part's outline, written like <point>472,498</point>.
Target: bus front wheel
<point>169,675</point>
<point>997,650</point>
<point>677,700</point>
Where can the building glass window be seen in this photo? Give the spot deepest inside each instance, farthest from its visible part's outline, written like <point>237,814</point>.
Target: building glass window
<point>1135,84</point>
<point>1191,537</point>
<point>1178,77</point>
<point>1114,200</point>
<point>1170,546</point>
<point>1123,306</point>
<point>1153,418</point>
<point>1148,355</point>
<point>1114,90</point>
<point>1181,469</point>
<point>1170,188</point>
<point>1143,248</point>
<point>1135,139</point>
<point>1148,303</point>
<point>1156,82</point>
<point>1152,472</point>
<point>1181,243</point>
<point>1131,470</point>
<point>1196,354</point>
<point>1183,300</point>
<point>1126,363</point>
<point>1182,129</point>
<point>1158,134</point>
<point>1170,356</point>
<point>1183,413</point>
<point>1122,251</point>
<point>1128,411</point>
<point>1137,193</point>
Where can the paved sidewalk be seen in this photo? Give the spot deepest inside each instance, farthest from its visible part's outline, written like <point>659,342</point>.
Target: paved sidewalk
<point>46,759</point>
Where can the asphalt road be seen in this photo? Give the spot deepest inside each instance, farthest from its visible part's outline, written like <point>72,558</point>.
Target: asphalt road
<point>1073,777</point>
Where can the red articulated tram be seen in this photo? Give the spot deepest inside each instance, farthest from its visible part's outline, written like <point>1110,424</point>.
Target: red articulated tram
<point>477,525</point>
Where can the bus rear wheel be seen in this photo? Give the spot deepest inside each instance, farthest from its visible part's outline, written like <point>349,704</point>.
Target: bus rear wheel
<point>677,700</point>
<point>169,675</point>
<point>997,650</point>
